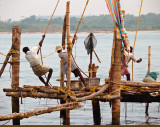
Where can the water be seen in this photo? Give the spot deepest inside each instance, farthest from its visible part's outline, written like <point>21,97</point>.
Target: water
<point>131,113</point>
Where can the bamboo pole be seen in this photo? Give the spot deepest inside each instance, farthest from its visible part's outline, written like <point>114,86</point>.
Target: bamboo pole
<point>16,41</point>
<point>116,78</point>
<point>62,101</point>
<point>36,112</point>
<point>63,45</point>
<point>5,63</point>
<point>69,47</point>
<point>69,50</point>
<point>149,68</point>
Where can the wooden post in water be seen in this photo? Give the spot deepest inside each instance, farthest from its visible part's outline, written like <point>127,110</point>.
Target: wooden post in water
<point>62,101</point>
<point>116,78</point>
<point>96,112</point>
<point>69,50</point>
<point>149,59</point>
<point>16,40</point>
<point>149,69</point>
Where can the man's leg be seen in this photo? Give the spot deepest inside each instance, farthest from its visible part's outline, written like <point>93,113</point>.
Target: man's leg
<point>82,79</point>
<point>128,77</point>
<point>49,75</point>
<point>42,80</point>
<point>131,56</point>
<point>78,73</point>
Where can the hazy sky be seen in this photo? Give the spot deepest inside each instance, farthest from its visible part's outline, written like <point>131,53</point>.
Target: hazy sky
<point>18,9</point>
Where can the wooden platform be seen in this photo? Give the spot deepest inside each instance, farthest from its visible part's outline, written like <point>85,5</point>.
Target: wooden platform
<point>130,92</point>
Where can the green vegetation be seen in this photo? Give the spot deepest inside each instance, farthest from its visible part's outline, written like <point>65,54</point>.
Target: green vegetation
<point>88,24</point>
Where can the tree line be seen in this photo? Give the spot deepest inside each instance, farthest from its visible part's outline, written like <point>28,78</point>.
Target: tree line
<point>89,23</point>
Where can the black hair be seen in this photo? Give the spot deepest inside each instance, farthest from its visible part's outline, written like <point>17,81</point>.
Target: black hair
<point>59,51</point>
<point>25,49</point>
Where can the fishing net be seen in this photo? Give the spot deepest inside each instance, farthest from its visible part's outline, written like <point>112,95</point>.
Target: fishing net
<point>151,77</point>
<point>90,43</point>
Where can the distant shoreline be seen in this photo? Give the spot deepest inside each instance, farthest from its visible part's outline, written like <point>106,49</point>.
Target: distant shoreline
<point>79,32</point>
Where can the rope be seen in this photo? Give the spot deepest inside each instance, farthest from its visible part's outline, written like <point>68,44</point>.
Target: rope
<point>47,27</point>
<point>15,51</point>
<point>51,17</point>
<point>81,17</point>
<point>136,34</point>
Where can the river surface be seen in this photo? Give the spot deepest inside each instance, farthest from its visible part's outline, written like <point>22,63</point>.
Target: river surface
<point>131,113</point>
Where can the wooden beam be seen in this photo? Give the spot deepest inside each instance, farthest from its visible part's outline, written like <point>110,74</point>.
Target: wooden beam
<point>36,112</point>
<point>137,83</point>
<point>93,95</point>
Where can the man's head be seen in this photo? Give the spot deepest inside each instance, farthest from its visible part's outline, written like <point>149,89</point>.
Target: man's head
<point>25,49</point>
<point>58,48</point>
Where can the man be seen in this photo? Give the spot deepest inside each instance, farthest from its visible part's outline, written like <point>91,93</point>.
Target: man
<point>124,70</point>
<point>37,67</point>
<point>131,56</point>
<point>74,69</point>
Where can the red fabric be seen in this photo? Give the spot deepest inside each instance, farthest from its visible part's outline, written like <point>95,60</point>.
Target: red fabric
<point>124,71</point>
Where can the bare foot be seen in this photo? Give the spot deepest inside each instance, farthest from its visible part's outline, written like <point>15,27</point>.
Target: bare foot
<point>139,60</point>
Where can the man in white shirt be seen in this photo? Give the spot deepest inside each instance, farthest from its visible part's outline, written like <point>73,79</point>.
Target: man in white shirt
<point>37,67</point>
<point>124,70</point>
<point>74,69</point>
<point>131,56</point>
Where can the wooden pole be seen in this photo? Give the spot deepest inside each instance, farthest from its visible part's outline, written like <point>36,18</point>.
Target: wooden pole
<point>116,78</point>
<point>149,68</point>
<point>149,59</point>
<point>90,66</point>
<point>95,102</point>
<point>69,50</point>
<point>96,112</point>
<point>62,101</point>
<point>16,41</point>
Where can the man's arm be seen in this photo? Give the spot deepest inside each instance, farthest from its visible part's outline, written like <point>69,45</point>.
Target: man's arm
<point>74,38</point>
<point>40,43</point>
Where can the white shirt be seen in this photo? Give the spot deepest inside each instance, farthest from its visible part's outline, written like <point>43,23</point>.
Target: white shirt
<point>32,56</point>
<point>64,55</point>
